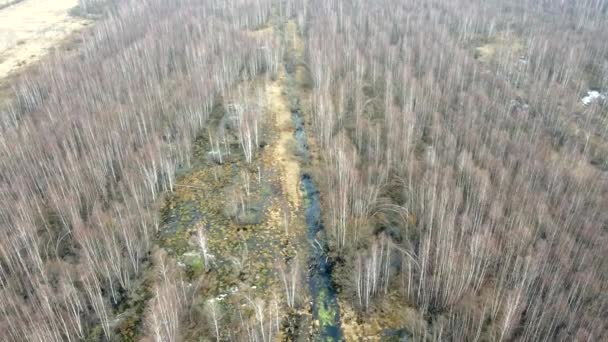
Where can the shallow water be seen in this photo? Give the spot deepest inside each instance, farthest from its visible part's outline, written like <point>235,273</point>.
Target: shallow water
<point>325,304</point>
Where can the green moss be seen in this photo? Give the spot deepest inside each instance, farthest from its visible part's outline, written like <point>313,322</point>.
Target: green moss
<point>195,264</point>
<point>133,314</point>
<point>128,329</point>
<point>95,334</point>
<point>326,314</point>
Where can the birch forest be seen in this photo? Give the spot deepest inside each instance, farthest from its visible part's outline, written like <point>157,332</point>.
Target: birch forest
<point>304,170</point>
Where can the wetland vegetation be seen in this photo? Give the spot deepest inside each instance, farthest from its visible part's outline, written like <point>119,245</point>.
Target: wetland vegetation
<point>309,170</point>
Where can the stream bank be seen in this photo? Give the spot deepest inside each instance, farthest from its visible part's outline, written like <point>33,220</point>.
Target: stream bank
<point>325,307</point>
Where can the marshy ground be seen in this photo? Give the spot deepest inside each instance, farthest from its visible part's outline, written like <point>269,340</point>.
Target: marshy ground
<point>251,214</point>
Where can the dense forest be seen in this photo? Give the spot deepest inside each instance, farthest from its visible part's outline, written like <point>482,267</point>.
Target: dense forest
<point>296,170</point>
<point>458,143</point>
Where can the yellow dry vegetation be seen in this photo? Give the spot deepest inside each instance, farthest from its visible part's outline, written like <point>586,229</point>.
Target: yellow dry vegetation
<point>28,29</point>
<point>261,32</point>
<point>387,315</point>
<point>285,161</point>
<point>501,44</point>
<point>296,47</point>
<point>291,29</point>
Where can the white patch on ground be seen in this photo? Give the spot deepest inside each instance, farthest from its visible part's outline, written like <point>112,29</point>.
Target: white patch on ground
<point>593,96</point>
<point>29,28</point>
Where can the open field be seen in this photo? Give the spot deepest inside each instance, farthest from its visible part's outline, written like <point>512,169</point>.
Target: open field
<point>28,30</point>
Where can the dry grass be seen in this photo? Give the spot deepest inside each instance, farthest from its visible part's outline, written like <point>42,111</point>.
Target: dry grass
<point>287,163</point>
<point>501,44</point>
<point>388,314</point>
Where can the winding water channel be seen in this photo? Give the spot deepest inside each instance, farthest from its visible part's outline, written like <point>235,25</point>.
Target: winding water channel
<point>325,307</point>
<point>325,304</point>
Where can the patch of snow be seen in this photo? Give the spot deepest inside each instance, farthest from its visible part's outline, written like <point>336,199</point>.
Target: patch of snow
<point>592,96</point>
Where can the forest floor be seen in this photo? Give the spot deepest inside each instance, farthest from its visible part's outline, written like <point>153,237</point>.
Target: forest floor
<point>30,28</point>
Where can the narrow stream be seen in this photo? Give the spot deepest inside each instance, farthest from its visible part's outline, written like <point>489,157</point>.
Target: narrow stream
<point>325,309</point>
<point>325,304</point>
